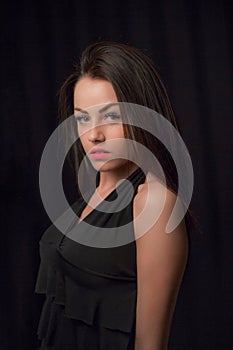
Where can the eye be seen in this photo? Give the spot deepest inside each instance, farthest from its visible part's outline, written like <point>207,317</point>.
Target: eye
<point>81,119</point>
<point>112,116</point>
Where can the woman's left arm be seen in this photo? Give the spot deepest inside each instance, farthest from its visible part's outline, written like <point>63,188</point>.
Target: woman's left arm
<point>161,262</point>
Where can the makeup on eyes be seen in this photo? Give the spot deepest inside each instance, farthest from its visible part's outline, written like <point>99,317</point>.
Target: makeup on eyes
<point>84,118</point>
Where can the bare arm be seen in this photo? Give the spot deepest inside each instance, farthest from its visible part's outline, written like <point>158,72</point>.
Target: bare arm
<point>161,261</point>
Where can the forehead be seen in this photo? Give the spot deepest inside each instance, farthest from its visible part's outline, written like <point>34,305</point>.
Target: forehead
<point>89,92</point>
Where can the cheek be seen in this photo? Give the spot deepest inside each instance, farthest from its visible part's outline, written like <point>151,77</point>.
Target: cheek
<point>116,131</point>
<point>83,140</point>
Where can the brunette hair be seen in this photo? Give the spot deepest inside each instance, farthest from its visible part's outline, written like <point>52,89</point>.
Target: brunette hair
<point>135,80</point>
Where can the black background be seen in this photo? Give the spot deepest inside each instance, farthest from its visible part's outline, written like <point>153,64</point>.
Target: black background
<point>190,44</point>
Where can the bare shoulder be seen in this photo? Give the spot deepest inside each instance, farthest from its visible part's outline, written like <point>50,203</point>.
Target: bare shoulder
<point>152,207</point>
<point>152,193</point>
<point>153,184</point>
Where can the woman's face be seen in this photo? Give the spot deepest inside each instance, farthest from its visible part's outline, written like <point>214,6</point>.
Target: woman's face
<point>99,123</point>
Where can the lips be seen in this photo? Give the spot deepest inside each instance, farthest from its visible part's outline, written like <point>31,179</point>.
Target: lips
<point>99,154</point>
<point>98,151</point>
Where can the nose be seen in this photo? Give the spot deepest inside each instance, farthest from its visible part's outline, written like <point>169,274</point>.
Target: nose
<point>96,134</point>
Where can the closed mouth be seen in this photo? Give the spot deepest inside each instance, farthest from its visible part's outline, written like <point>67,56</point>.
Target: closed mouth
<point>100,151</point>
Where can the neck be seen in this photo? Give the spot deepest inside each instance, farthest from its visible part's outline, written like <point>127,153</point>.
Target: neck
<point>109,179</point>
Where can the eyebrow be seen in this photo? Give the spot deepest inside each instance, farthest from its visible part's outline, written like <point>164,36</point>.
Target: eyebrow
<point>100,111</point>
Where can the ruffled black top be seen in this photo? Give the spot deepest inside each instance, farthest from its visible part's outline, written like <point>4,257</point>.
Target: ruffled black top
<point>91,292</point>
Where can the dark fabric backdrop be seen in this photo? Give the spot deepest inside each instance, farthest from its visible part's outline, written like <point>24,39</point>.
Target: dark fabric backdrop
<point>190,44</point>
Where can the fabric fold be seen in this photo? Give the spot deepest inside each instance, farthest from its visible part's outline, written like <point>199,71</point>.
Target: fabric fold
<point>90,292</point>
<point>112,307</point>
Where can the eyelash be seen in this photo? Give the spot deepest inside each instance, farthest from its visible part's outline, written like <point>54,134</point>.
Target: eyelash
<point>79,118</point>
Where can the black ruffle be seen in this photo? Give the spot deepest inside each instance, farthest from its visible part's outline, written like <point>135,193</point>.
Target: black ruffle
<point>90,292</point>
<point>111,311</point>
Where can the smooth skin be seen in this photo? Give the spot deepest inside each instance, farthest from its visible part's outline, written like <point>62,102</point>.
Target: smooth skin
<point>102,130</point>
<point>161,257</point>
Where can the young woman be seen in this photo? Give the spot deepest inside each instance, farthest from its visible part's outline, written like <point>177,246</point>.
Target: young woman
<point>118,297</point>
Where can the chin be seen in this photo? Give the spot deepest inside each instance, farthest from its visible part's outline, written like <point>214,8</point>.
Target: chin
<point>110,165</point>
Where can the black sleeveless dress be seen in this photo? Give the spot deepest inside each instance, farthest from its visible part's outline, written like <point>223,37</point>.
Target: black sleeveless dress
<point>91,292</point>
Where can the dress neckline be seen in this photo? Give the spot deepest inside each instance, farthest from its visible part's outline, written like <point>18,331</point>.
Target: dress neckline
<point>84,204</point>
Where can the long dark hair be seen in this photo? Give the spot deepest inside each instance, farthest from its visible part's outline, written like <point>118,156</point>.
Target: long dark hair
<point>135,80</point>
